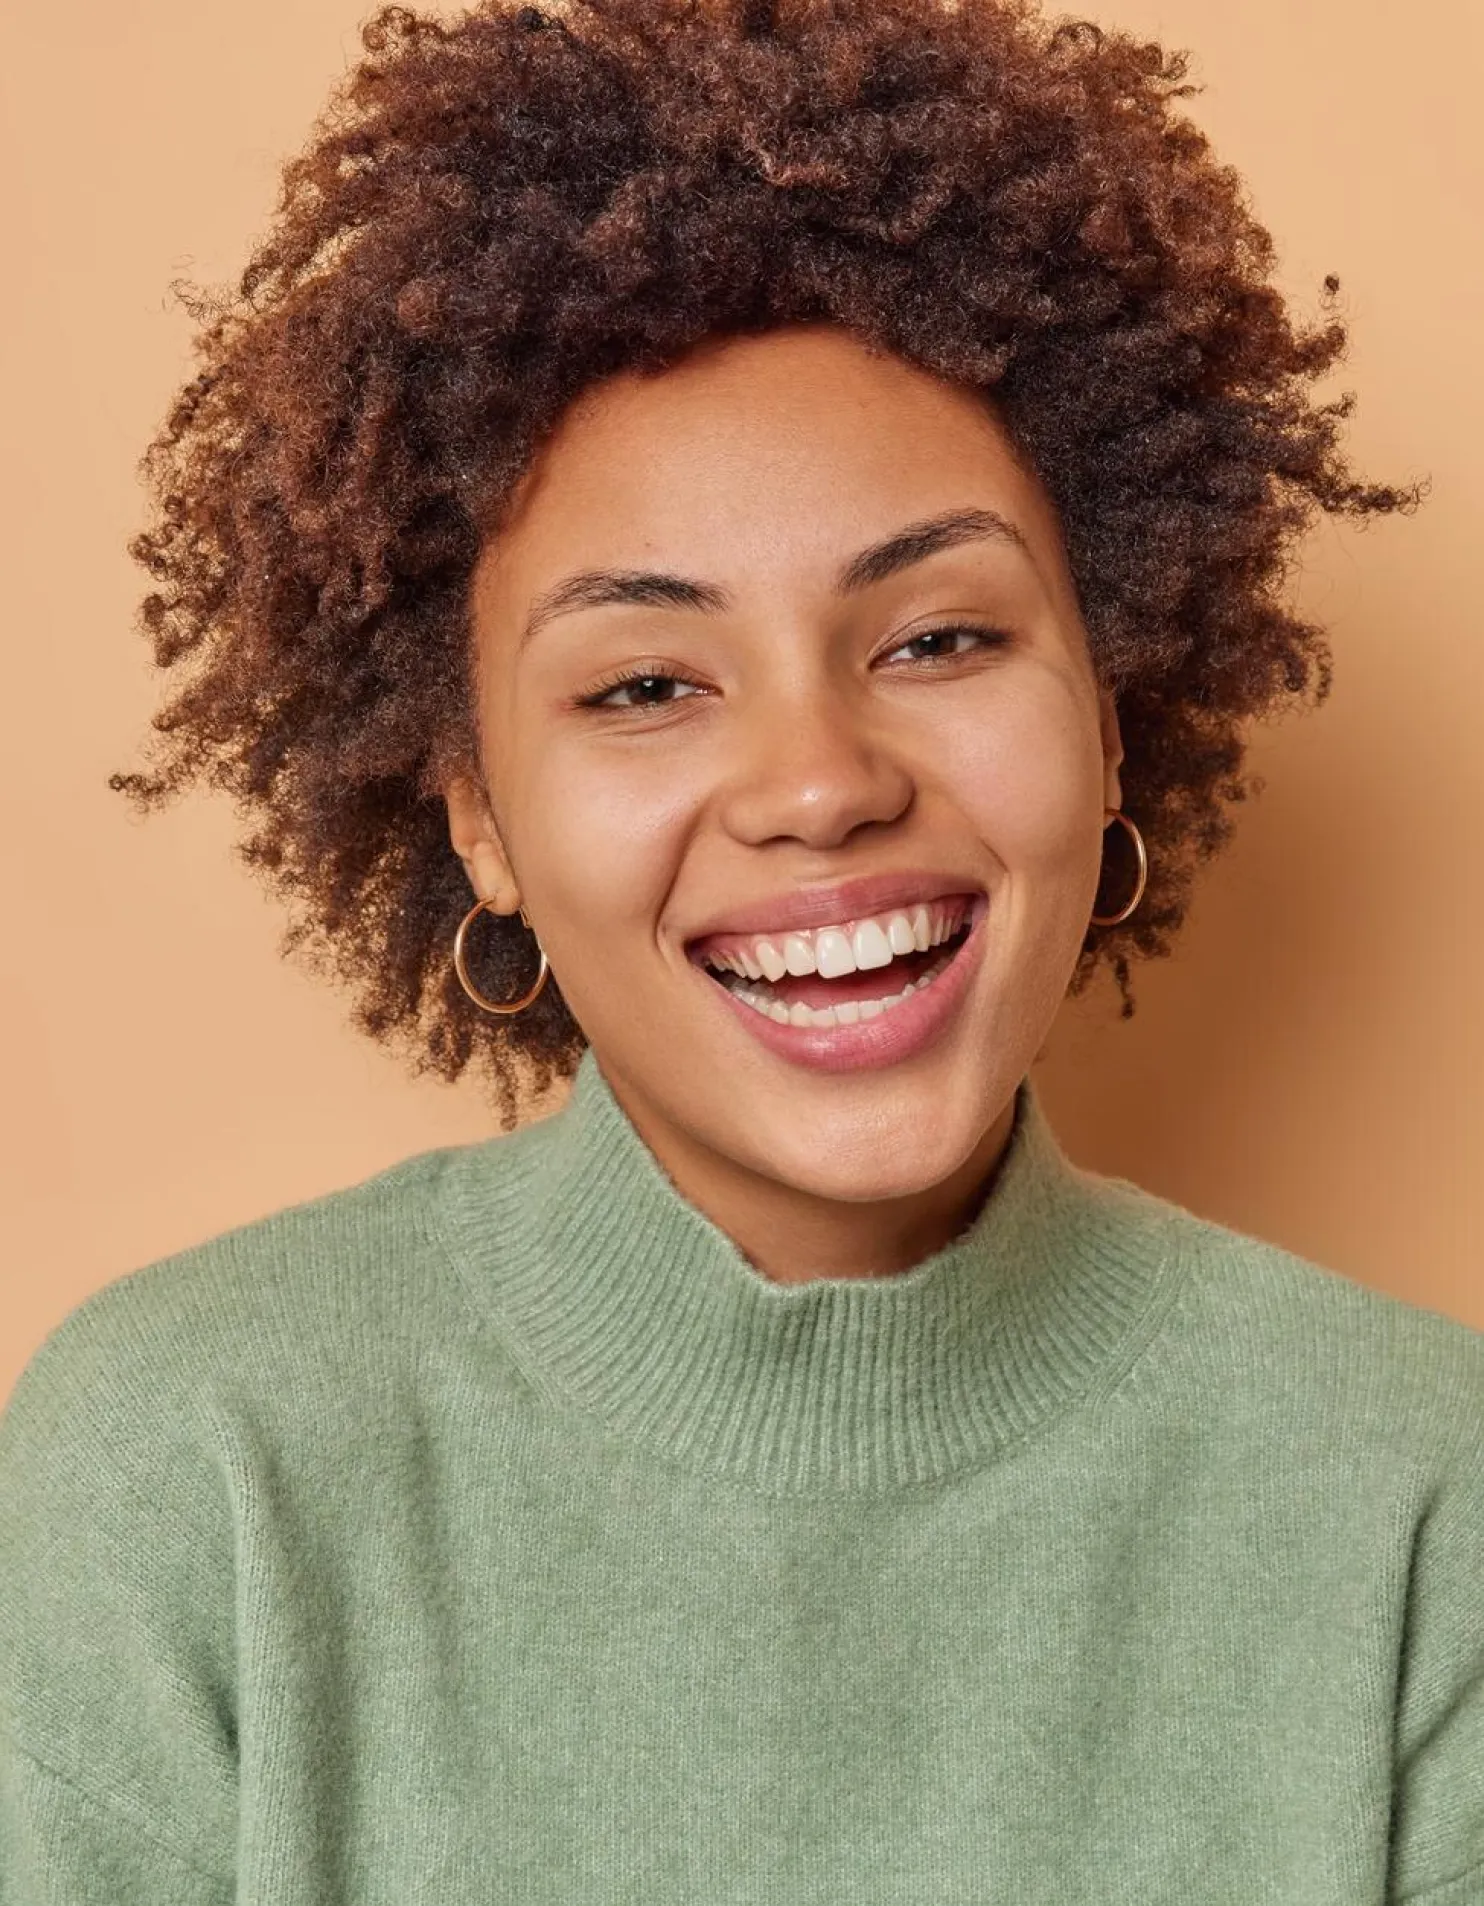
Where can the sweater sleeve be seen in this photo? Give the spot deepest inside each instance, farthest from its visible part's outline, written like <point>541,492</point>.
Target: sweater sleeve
<point>117,1696</point>
<point>1437,1856</point>
<point>60,1846</point>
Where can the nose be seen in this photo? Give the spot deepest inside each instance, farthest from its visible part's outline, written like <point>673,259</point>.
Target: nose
<point>811,768</point>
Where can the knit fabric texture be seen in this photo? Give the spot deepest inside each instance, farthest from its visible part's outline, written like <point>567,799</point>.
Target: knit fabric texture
<point>492,1531</point>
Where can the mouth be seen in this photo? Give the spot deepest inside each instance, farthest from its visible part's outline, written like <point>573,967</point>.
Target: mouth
<point>892,1009</point>
<point>881,981</point>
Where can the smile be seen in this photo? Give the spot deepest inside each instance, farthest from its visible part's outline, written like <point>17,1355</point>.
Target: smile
<point>866,994</point>
<point>818,978</point>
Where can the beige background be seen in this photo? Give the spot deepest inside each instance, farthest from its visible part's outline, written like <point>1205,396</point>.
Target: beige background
<point>1308,1068</point>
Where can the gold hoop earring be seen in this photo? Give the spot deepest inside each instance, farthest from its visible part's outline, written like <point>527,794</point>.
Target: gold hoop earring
<point>1117,919</point>
<point>492,1005</point>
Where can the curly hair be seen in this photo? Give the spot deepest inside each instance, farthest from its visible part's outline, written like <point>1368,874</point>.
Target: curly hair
<point>497,211</point>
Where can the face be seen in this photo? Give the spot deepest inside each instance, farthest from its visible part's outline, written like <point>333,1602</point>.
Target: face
<point>777,734</point>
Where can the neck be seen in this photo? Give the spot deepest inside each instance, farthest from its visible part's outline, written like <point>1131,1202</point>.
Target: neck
<point>791,1236</point>
<point>611,1291</point>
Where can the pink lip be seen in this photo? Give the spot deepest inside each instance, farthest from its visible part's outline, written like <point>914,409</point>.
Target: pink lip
<point>896,1034</point>
<point>832,906</point>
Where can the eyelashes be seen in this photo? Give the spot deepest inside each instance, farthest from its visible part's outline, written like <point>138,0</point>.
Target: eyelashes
<point>644,678</point>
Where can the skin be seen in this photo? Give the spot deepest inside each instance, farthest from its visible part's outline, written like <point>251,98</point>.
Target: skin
<point>797,743</point>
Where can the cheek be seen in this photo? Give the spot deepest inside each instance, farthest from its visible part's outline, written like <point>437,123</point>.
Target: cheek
<point>1026,766</point>
<point>604,836</point>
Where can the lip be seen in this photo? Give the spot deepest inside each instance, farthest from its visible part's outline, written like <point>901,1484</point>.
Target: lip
<point>834,905</point>
<point>901,1033</point>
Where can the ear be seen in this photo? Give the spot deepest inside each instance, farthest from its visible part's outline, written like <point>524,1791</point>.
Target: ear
<point>1112,749</point>
<point>476,841</point>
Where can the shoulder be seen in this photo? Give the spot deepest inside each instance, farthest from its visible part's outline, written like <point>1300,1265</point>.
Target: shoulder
<point>291,1312</point>
<point>148,1380</point>
<point>137,1433</point>
<point>1264,1333</point>
<point>1316,1402</point>
<point>337,1269</point>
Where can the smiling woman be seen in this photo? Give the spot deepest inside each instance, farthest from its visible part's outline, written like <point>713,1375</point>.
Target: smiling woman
<point>784,506</point>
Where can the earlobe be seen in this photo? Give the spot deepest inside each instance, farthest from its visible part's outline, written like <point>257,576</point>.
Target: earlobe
<point>476,841</point>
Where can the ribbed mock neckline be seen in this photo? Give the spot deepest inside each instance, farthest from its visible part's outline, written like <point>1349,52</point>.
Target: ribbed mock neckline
<point>616,1294</point>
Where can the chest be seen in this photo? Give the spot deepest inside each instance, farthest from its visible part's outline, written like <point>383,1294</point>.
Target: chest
<point>609,1685</point>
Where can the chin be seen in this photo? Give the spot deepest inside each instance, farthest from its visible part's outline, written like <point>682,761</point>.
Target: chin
<point>879,1155</point>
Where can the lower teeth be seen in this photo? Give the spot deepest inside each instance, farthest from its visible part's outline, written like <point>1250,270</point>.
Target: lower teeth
<point>846,1013</point>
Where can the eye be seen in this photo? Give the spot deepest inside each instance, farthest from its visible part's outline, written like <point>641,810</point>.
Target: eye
<point>646,689</point>
<point>646,683</point>
<point>991,638</point>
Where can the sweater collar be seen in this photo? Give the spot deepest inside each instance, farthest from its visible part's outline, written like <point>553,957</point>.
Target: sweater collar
<point>617,1295</point>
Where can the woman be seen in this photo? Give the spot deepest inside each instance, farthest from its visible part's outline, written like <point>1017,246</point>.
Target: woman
<point>729,552</point>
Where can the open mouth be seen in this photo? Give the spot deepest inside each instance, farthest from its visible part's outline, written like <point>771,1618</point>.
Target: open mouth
<point>813,999</point>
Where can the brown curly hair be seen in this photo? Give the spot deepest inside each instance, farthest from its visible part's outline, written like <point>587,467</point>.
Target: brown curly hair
<point>495,212</point>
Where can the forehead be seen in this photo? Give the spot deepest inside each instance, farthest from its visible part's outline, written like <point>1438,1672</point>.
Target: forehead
<point>778,453</point>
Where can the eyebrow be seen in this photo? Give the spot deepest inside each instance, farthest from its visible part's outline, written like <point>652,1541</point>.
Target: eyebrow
<point>602,588</point>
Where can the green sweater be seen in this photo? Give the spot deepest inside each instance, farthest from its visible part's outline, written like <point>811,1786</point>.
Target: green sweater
<point>491,1531</point>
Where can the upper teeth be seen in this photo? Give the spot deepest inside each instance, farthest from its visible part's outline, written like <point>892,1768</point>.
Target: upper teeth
<point>854,946</point>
